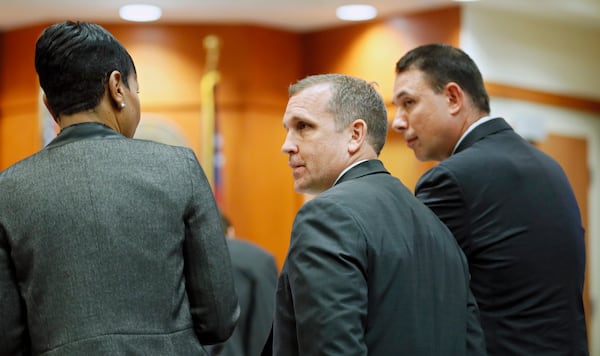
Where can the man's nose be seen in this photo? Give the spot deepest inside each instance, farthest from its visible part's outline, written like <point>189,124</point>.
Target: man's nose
<point>288,146</point>
<point>399,123</point>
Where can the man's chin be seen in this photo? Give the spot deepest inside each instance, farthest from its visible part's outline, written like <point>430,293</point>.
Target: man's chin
<point>299,188</point>
<point>420,156</point>
<point>302,189</point>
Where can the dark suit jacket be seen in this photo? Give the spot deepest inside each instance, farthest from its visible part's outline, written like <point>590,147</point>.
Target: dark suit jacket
<point>370,270</point>
<point>111,246</point>
<point>255,275</point>
<point>513,212</point>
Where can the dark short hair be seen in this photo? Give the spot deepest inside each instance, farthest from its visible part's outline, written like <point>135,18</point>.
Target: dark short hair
<point>352,99</point>
<point>74,60</point>
<point>442,64</point>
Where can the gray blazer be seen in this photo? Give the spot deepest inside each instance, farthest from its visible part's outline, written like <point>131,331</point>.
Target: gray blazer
<point>372,271</point>
<point>111,246</point>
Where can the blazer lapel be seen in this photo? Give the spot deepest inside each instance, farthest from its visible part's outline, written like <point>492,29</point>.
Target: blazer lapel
<point>371,166</point>
<point>483,130</point>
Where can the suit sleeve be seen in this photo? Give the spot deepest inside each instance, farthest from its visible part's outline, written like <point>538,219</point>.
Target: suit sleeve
<point>475,338</point>
<point>327,276</point>
<point>208,272</point>
<point>440,191</point>
<point>14,338</point>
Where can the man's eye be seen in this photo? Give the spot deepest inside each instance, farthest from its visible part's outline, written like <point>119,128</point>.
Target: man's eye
<point>407,103</point>
<point>301,126</point>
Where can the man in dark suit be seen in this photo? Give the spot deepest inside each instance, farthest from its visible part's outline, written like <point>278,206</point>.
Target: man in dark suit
<point>510,206</point>
<point>370,270</point>
<point>255,275</point>
<point>108,245</point>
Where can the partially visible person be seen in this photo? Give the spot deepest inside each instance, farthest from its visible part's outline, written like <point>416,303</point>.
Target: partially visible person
<point>370,270</point>
<point>108,245</point>
<point>255,275</point>
<point>509,206</point>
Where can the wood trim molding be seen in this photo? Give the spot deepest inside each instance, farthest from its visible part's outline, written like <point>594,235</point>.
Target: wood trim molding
<point>537,96</point>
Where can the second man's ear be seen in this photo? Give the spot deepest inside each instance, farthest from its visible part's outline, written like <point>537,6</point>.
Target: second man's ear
<point>358,135</point>
<point>455,96</point>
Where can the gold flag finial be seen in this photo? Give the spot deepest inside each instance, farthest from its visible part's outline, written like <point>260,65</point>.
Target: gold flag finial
<point>211,45</point>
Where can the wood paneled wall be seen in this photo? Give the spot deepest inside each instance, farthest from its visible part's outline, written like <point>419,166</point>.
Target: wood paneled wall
<point>19,123</point>
<point>256,65</point>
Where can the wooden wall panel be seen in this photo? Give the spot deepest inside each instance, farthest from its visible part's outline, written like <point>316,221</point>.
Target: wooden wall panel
<point>572,154</point>
<point>371,50</point>
<point>2,49</point>
<point>19,134</point>
<point>19,82</point>
<point>261,193</point>
<point>251,97</point>
<point>256,65</point>
<point>19,96</point>
<point>546,98</point>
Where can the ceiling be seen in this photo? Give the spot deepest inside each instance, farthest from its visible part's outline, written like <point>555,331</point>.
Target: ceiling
<point>294,15</point>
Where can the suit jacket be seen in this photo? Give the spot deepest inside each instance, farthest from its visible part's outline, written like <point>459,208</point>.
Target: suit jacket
<point>513,212</point>
<point>255,275</point>
<point>111,246</point>
<point>371,271</point>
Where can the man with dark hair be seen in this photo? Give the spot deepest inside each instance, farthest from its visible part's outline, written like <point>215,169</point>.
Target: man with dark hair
<point>509,206</point>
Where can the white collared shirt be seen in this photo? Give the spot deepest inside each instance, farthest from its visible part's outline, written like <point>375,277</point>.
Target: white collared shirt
<point>347,169</point>
<point>471,128</point>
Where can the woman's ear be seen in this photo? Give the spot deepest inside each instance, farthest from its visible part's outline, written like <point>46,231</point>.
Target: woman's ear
<point>358,130</point>
<point>115,89</point>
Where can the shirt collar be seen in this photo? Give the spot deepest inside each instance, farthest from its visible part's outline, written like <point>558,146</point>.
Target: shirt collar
<point>348,168</point>
<point>471,128</point>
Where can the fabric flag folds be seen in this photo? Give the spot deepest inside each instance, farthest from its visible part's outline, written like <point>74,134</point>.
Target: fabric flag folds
<point>212,158</point>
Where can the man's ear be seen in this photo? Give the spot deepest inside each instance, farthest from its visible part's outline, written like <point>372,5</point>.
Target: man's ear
<point>358,129</point>
<point>116,89</point>
<point>455,96</point>
<point>45,99</point>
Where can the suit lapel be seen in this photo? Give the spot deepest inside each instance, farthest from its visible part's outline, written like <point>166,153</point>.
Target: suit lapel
<point>371,166</point>
<point>483,130</point>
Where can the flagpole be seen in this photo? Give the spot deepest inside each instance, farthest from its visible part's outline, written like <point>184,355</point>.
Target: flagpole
<point>208,83</point>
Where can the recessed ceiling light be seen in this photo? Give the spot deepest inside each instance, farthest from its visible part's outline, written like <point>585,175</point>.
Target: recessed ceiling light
<point>140,12</point>
<point>356,12</point>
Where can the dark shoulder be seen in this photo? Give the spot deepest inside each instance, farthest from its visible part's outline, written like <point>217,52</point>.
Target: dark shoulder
<point>241,247</point>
